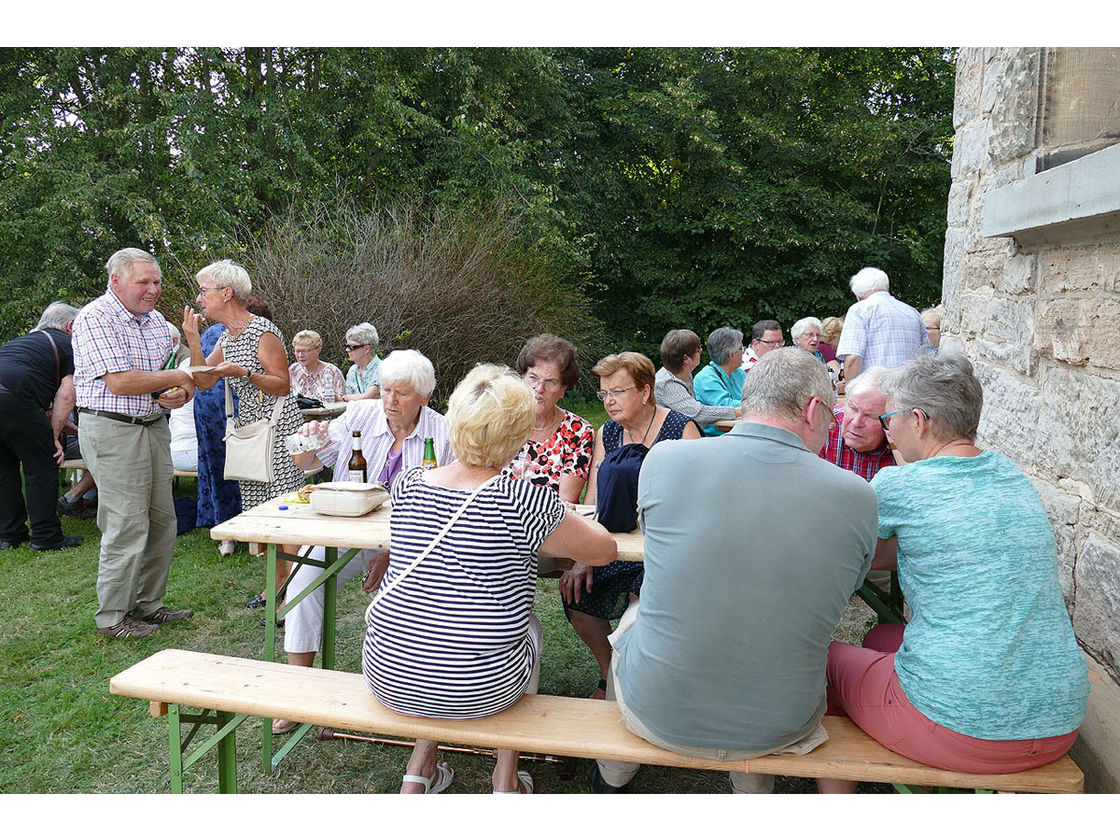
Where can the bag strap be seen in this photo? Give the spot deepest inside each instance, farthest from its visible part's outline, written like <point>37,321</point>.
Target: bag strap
<point>57,363</point>
<point>384,590</point>
<point>277,409</point>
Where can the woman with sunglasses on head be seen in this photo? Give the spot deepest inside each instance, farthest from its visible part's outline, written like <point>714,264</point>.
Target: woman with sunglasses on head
<point>987,676</point>
<point>363,381</point>
<point>594,597</point>
<point>558,451</point>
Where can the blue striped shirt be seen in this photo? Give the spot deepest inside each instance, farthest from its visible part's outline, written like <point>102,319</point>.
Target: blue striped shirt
<point>451,640</point>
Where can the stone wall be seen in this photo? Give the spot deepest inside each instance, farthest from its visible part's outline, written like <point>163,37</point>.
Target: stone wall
<point>1038,312</point>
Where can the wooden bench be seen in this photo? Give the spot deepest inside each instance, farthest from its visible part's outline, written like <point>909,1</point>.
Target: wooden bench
<point>79,464</point>
<point>235,688</point>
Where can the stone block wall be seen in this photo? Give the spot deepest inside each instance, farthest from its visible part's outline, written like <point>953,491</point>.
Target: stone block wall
<point>1039,316</point>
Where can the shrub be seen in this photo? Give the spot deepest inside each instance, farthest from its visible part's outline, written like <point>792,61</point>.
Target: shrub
<point>461,287</point>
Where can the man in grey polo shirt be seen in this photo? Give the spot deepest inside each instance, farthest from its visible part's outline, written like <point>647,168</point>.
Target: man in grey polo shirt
<point>121,347</point>
<point>724,655</point>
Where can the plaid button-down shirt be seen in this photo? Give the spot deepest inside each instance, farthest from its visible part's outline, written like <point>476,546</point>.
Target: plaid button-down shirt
<point>110,339</point>
<point>863,464</point>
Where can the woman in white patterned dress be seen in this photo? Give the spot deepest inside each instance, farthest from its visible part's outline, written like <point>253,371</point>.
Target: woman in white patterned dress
<point>251,356</point>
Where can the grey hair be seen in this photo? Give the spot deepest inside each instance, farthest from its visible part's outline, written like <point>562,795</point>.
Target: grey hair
<point>868,280</point>
<point>800,326</point>
<point>363,333</point>
<point>870,379</point>
<point>408,366</point>
<point>56,316</point>
<point>943,387</point>
<point>226,274</point>
<point>722,341</point>
<point>122,261</point>
<point>783,381</point>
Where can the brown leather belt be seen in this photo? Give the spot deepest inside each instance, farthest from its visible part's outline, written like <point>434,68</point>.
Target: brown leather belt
<point>149,420</point>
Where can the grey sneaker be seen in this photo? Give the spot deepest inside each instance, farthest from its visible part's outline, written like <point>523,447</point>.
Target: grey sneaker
<point>77,508</point>
<point>163,615</point>
<point>128,628</point>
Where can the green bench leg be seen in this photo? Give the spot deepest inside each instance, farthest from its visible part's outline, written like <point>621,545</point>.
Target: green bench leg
<point>223,741</point>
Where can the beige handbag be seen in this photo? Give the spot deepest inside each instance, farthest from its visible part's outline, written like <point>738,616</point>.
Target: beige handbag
<point>249,448</point>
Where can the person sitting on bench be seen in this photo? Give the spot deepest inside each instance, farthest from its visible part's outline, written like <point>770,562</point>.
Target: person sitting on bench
<point>724,654</point>
<point>450,632</point>
<point>987,676</point>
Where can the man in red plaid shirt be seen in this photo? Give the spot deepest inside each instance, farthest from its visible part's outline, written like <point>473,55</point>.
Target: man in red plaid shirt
<point>857,442</point>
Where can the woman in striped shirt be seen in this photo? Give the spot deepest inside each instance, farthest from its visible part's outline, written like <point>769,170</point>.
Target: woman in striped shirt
<point>454,637</point>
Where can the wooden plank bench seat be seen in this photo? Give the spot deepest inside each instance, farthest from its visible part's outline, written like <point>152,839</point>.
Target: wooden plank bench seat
<point>236,688</point>
<point>80,464</point>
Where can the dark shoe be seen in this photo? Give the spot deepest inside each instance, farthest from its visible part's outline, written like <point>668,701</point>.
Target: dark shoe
<point>279,622</point>
<point>66,542</point>
<point>255,602</point>
<point>128,628</point>
<point>12,543</point>
<point>599,785</point>
<point>77,508</point>
<point>164,615</point>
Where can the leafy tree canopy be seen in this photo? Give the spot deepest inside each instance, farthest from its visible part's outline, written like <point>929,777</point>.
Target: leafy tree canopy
<point>671,187</point>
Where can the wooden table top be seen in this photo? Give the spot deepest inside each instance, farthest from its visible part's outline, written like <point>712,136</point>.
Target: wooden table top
<point>298,524</point>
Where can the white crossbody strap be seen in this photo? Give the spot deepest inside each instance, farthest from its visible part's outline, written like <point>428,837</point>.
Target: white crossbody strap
<point>384,590</point>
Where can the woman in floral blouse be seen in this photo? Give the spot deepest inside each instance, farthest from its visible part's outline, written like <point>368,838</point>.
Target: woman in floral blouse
<point>311,377</point>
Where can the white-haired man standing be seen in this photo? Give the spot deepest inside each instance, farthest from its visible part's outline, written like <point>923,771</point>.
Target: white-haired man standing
<point>879,329</point>
<point>121,345</point>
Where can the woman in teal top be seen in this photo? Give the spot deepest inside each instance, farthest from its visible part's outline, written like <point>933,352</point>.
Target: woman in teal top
<point>721,382</point>
<point>987,676</point>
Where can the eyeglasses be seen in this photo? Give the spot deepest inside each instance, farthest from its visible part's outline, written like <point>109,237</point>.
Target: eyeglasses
<point>535,381</point>
<point>204,289</point>
<point>776,343</point>
<point>883,417</point>
<point>350,347</point>
<point>614,393</point>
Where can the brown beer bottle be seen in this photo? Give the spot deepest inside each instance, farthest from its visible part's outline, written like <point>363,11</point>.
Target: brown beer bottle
<point>357,466</point>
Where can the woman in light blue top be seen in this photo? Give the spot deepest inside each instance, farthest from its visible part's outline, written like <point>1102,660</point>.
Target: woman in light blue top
<point>987,676</point>
<point>721,382</point>
<point>363,380</point>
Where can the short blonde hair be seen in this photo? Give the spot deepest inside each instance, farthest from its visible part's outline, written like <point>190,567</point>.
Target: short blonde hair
<point>226,274</point>
<point>639,367</point>
<point>831,327</point>
<point>308,338</point>
<point>489,416</point>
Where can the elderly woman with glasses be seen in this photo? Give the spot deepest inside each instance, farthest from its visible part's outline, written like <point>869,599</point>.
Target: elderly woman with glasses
<point>595,597</point>
<point>558,451</point>
<point>311,377</point>
<point>987,676</point>
<point>451,633</point>
<point>363,380</point>
<point>721,381</point>
<point>250,356</point>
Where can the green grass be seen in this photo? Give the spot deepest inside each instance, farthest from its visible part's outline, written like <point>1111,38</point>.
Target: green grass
<point>62,732</point>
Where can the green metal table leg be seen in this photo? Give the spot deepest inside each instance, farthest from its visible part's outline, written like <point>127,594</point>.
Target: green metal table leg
<point>330,609</point>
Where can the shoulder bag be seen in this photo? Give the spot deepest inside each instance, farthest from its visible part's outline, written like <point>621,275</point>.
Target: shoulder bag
<point>249,449</point>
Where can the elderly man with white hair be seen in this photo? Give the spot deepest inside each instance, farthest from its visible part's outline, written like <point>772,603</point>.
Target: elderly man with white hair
<point>879,329</point>
<point>393,429</point>
<point>858,443</point>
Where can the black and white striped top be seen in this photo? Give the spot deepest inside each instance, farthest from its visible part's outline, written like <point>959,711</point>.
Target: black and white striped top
<point>452,639</point>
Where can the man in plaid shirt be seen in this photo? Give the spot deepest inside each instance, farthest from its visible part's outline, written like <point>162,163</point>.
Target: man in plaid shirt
<point>857,442</point>
<point>878,329</point>
<point>121,346</point>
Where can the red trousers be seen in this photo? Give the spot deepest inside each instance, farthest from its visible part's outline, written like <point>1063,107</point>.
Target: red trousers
<point>862,684</point>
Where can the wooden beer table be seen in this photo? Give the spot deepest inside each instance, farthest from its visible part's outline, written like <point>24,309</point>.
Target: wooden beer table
<point>276,522</point>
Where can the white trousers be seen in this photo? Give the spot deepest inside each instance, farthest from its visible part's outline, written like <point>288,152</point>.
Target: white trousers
<point>303,625</point>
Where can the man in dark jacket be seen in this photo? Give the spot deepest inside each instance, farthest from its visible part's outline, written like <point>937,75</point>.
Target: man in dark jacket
<point>36,396</point>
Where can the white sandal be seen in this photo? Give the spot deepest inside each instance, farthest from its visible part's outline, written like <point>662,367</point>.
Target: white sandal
<point>524,783</point>
<point>226,548</point>
<point>439,782</point>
